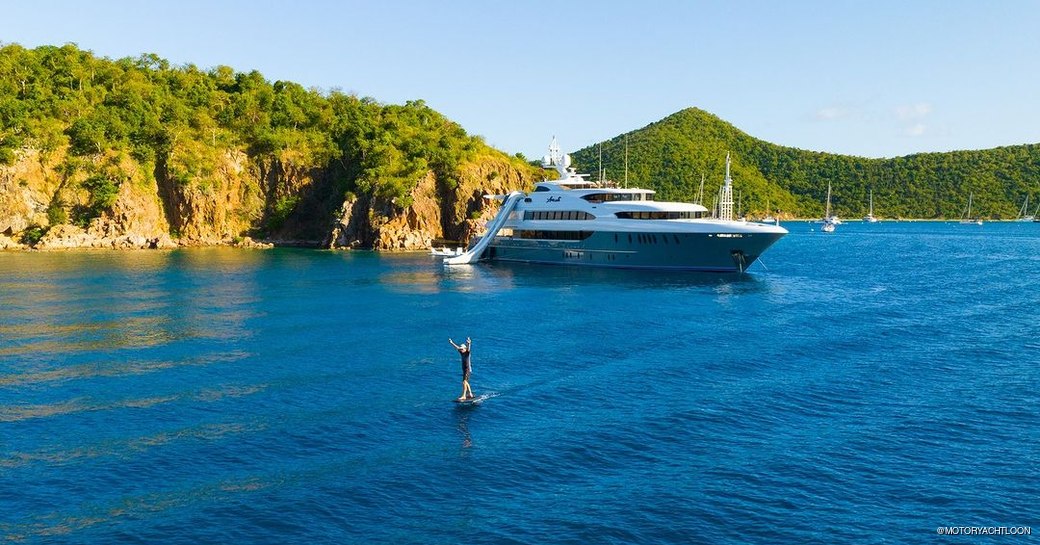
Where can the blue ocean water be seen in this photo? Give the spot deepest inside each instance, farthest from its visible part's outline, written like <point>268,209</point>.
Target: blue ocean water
<point>866,386</point>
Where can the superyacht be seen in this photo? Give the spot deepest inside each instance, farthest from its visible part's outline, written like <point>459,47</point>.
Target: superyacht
<point>574,221</point>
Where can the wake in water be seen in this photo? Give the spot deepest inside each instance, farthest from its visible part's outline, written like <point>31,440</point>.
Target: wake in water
<point>476,400</point>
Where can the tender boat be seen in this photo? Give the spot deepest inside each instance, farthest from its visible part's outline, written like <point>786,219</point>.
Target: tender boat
<point>573,221</point>
<point>445,251</point>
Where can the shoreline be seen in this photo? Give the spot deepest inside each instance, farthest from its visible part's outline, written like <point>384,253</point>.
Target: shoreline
<point>8,244</point>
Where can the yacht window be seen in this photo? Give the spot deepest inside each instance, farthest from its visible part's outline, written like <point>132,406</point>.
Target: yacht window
<point>541,188</point>
<point>562,215</point>
<point>659,215</point>
<point>554,235</point>
<point>611,197</point>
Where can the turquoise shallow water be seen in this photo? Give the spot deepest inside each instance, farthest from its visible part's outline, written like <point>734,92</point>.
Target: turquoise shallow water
<point>867,387</point>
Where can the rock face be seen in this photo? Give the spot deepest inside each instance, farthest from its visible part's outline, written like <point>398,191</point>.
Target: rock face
<point>26,189</point>
<point>439,210</point>
<point>100,234</point>
<point>212,210</point>
<point>160,206</point>
<point>6,243</point>
<point>415,227</point>
<point>470,210</point>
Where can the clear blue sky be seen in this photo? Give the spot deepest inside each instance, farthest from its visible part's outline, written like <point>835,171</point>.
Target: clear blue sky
<point>873,78</point>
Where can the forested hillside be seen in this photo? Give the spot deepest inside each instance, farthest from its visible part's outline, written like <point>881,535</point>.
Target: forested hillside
<point>224,153</point>
<point>671,155</point>
<point>138,153</point>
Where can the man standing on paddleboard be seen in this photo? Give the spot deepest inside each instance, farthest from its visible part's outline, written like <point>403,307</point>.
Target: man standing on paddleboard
<point>464,351</point>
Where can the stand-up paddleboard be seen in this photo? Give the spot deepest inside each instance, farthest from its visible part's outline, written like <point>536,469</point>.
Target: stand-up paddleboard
<point>473,400</point>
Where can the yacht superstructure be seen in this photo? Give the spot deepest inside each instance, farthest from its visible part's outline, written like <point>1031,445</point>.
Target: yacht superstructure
<point>573,221</point>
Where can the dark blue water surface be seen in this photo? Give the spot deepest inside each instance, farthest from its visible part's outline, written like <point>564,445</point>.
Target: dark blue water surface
<point>868,386</point>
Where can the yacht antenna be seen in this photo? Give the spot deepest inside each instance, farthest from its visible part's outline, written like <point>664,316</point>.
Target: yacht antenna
<point>554,152</point>
<point>700,195</point>
<point>726,196</point>
<point>555,158</point>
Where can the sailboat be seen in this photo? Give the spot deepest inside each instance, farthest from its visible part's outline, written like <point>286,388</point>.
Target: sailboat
<point>967,219</point>
<point>829,222</point>
<point>769,215</point>
<point>1025,209</point>
<point>870,218</point>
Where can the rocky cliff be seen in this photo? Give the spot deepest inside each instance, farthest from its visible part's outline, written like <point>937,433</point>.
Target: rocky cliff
<point>137,153</point>
<point>439,209</point>
<point>46,205</point>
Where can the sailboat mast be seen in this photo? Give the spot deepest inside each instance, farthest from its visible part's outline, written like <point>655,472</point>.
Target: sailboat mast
<point>601,161</point>
<point>827,214</point>
<point>626,160</point>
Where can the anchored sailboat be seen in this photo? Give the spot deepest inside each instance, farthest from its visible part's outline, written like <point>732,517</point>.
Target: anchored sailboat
<point>829,222</point>
<point>967,219</point>
<point>870,218</point>
<point>1022,214</point>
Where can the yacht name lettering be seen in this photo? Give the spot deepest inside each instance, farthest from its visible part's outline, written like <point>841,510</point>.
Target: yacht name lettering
<point>553,199</point>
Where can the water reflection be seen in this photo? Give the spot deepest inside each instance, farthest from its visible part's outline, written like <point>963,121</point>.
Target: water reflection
<point>565,276</point>
<point>52,456</point>
<point>427,282</point>
<point>48,373</point>
<point>20,412</point>
<point>463,413</point>
<point>429,276</point>
<point>54,524</point>
<point>58,304</point>
<point>16,413</point>
<point>128,332</point>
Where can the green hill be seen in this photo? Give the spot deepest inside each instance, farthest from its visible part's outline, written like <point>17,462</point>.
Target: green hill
<point>93,143</point>
<point>671,155</point>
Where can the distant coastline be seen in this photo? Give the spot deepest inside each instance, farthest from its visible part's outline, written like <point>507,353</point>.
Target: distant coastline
<point>215,157</point>
<point>125,244</point>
